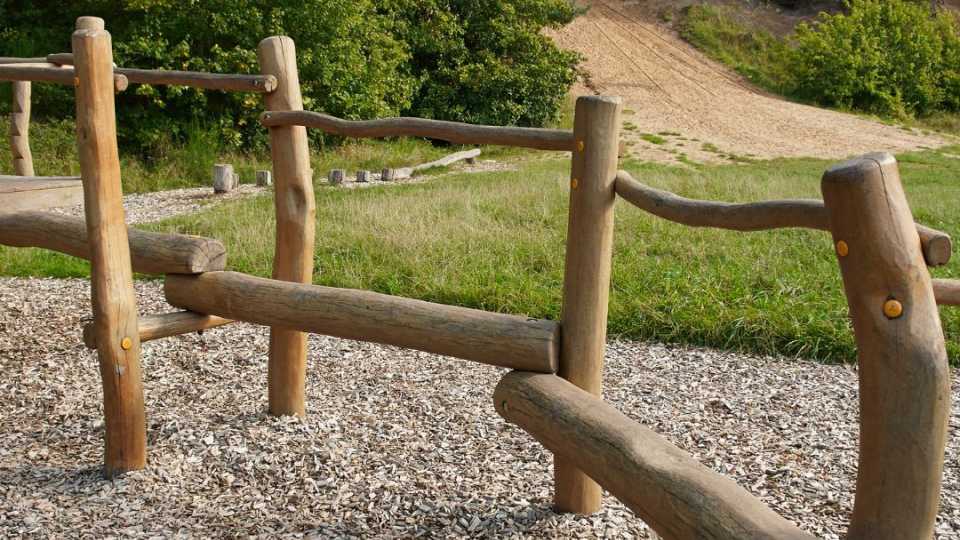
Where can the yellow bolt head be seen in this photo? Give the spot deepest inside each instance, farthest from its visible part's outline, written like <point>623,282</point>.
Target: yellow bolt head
<point>76,81</point>
<point>843,249</point>
<point>574,183</point>
<point>580,146</point>
<point>892,309</point>
<point>126,344</point>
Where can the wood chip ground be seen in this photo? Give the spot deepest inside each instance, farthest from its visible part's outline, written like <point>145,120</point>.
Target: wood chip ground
<point>397,444</point>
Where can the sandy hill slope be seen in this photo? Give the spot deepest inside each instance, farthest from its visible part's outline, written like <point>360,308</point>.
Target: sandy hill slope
<point>700,108</point>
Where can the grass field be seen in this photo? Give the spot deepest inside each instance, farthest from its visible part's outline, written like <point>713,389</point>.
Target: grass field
<point>496,241</point>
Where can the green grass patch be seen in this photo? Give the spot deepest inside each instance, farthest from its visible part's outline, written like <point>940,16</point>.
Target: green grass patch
<point>653,139</point>
<point>749,49</point>
<point>496,241</point>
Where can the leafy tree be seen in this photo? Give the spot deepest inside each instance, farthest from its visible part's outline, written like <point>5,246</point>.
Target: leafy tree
<point>891,57</point>
<point>470,60</point>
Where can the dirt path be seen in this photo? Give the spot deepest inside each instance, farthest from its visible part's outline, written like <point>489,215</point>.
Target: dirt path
<point>700,109</point>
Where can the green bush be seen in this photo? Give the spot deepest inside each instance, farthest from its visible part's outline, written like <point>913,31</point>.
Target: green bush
<point>472,60</point>
<point>890,57</point>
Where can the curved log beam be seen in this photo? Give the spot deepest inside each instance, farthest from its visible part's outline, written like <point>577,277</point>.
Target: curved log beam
<point>758,216</point>
<point>454,132</point>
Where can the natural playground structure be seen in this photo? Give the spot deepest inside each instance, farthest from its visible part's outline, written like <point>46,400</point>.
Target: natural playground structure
<point>554,388</point>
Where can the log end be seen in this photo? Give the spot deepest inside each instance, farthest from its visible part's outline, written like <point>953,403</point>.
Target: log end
<point>269,85</point>
<point>938,249</point>
<point>859,169</point>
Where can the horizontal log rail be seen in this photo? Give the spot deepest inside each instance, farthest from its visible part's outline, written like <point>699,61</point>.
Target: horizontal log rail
<point>454,132</point>
<point>52,74</point>
<point>672,492</point>
<point>490,338</point>
<point>230,82</point>
<point>15,60</point>
<point>947,291</point>
<point>759,216</point>
<point>163,325</point>
<point>151,253</point>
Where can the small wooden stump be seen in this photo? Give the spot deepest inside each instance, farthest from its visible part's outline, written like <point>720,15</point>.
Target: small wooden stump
<point>337,176</point>
<point>388,175</point>
<point>224,179</point>
<point>264,178</point>
<point>363,176</point>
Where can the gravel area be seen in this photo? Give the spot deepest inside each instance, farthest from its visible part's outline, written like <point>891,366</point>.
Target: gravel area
<point>397,443</point>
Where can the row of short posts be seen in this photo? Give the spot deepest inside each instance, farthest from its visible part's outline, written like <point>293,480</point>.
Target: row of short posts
<point>226,180</point>
<point>337,177</point>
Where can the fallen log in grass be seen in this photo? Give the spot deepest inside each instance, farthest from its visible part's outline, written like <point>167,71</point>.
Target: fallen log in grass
<point>490,338</point>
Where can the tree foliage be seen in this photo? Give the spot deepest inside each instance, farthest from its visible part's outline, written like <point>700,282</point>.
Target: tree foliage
<point>883,56</point>
<point>482,61</point>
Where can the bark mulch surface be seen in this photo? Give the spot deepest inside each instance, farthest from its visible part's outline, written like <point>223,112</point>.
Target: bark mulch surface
<point>397,443</point>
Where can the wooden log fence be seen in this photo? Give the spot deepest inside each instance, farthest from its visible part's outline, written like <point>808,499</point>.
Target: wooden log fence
<point>556,393</point>
<point>163,325</point>
<point>454,132</point>
<point>759,216</point>
<point>672,492</point>
<point>490,338</point>
<point>151,253</point>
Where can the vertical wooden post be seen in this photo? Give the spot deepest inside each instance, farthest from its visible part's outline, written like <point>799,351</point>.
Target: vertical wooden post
<point>20,129</point>
<point>296,215</point>
<point>586,283</point>
<point>904,378</point>
<point>114,303</point>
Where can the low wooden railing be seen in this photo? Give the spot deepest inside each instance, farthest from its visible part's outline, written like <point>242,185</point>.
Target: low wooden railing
<point>759,216</point>
<point>454,132</point>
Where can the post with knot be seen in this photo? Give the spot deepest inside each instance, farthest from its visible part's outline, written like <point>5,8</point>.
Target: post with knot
<point>296,215</point>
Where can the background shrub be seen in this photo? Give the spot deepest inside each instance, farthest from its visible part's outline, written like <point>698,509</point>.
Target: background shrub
<point>471,60</point>
<point>890,57</point>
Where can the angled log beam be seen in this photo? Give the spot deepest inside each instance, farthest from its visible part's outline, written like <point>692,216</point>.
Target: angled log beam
<point>672,492</point>
<point>759,216</point>
<point>455,132</point>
